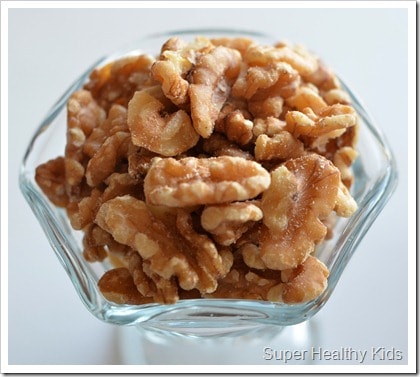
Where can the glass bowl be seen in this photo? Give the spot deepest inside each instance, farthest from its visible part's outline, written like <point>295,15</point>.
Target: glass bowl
<point>375,179</point>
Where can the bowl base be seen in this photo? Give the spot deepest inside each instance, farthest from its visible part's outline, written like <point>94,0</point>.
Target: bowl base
<point>262,346</point>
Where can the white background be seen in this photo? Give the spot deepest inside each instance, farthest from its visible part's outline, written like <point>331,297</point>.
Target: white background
<point>49,48</point>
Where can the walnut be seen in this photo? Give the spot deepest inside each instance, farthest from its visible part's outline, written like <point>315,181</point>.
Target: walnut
<point>336,95</point>
<point>281,146</point>
<point>300,60</point>
<point>253,80</point>
<point>217,145</point>
<point>191,181</point>
<point>345,205</point>
<point>94,241</point>
<point>50,177</point>
<point>148,283</point>
<point>106,159</point>
<point>303,191</point>
<point>307,96</point>
<point>166,134</point>
<point>240,43</point>
<point>228,222</point>
<point>117,81</point>
<point>116,121</point>
<point>83,115</point>
<point>332,122</point>
<point>120,184</point>
<point>236,127</point>
<point>269,126</point>
<point>176,61</point>
<point>241,283</point>
<point>117,286</point>
<point>301,284</point>
<point>322,77</point>
<point>213,263</point>
<point>343,159</point>
<point>212,78</point>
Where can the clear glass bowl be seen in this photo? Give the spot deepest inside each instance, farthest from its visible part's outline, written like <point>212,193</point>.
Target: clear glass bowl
<point>375,180</point>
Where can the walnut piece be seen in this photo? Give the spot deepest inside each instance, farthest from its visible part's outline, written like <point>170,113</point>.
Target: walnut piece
<point>212,78</point>
<point>168,134</point>
<point>191,181</point>
<point>176,61</point>
<point>301,284</point>
<point>303,191</point>
<point>228,222</point>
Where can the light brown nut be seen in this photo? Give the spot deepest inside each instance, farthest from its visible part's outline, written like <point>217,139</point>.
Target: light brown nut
<point>329,147</point>
<point>83,115</point>
<point>117,81</point>
<point>148,283</point>
<point>139,162</point>
<point>174,86</point>
<point>120,184</point>
<point>117,286</point>
<point>168,135</point>
<point>84,211</point>
<point>241,283</point>
<point>269,126</point>
<point>322,77</point>
<point>131,223</point>
<point>116,121</point>
<point>336,95</point>
<point>167,290</point>
<point>240,43</point>
<point>332,121</point>
<point>281,146</point>
<point>251,256</point>
<point>212,263</point>
<point>301,61</point>
<point>106,159</point>
<point>230,106</point>
<point>193,181</point>
<point>307,96</point>
<point>210,86</point>
<point>94,241</point>
<point>301,284</point>
<point>50,177</point>
<point>217,145</point>
<point>345,205</point>
<point>176,60</point>
<point>144,283</point>
<point>228,222</point>
<point>254,79</point>
<point>344,159</point>
<point>302,192</point>
<point>237,128</point>
<point>267,106</point>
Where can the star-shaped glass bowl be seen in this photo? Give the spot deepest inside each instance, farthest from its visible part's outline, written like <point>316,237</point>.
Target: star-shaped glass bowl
<point>375,179</point>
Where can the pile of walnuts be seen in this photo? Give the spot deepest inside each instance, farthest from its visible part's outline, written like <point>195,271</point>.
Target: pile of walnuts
<point>212,170</point>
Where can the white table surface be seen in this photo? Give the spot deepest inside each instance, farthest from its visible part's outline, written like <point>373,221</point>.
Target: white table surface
<point>49,48</point>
